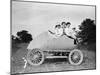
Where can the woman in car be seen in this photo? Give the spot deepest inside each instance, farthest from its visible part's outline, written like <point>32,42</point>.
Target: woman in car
<point>58,31</point>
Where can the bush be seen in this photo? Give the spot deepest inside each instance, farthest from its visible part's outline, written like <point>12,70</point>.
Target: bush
<point>88,31</point>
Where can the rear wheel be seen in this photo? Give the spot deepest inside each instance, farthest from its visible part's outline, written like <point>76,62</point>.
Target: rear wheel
<point>75,57</point>
<point>35,57</point>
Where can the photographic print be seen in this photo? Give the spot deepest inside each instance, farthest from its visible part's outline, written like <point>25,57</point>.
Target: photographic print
<point>52,37</point>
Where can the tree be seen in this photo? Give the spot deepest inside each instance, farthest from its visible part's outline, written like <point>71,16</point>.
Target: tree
<point>88,31</point>
<point>24,36</point>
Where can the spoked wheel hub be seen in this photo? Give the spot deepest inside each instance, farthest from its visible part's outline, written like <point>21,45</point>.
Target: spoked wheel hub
<point>75,57</point>
<point>35,57</point>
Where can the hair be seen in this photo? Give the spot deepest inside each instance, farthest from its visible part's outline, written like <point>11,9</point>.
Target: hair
<point>63,23</point>
<point>73,28</point>
<point>56,26</point>
<point>68,23</point>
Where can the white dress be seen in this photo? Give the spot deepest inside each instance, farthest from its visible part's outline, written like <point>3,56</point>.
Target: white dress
<point>70,32</point>
<point>57,33</point>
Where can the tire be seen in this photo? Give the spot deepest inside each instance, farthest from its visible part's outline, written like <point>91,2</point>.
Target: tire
<point>35,57</point>
<point>75,57</point>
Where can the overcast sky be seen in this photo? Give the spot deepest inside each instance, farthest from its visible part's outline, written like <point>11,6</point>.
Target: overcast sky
<point>39,17</point>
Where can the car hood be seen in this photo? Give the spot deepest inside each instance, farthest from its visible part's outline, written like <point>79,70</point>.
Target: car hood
<point>46,41</point>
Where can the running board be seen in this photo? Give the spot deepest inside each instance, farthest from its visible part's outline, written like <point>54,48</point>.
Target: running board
<point>56,56</point>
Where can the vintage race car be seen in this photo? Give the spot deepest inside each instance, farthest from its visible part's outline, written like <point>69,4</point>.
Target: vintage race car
<point>44,46</point>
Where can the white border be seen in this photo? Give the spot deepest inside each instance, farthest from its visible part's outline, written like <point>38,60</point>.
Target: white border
<point>5,37</point>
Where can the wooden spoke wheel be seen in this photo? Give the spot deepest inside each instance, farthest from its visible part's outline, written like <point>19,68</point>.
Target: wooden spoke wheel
<point>35,57</point>
<point>75,57</point>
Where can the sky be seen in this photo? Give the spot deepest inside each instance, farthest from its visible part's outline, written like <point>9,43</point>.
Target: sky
<point>39,17</point>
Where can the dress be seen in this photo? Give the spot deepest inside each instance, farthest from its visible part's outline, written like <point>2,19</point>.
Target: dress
<point>70,32</point>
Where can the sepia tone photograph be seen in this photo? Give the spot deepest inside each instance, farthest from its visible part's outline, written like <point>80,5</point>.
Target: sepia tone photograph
<point>52,37</point>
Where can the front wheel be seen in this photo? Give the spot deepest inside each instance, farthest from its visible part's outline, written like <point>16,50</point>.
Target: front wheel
<point>35,57</point>
<point>75,57</point>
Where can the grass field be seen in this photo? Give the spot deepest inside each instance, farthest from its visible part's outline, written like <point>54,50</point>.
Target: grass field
<point>19,51</point>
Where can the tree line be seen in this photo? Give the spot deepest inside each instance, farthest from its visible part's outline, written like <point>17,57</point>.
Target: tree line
<point>22,37</point>
<point>87,33</point>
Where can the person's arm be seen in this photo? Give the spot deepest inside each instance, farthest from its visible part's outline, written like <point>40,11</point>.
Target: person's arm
<point>51,32</point>
<point>56,34</point>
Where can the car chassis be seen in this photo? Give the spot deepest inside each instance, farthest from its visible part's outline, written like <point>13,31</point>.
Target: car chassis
<point>36,57</point>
